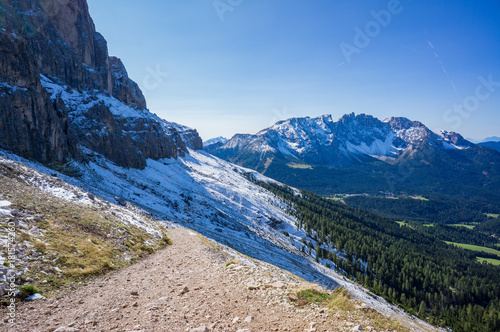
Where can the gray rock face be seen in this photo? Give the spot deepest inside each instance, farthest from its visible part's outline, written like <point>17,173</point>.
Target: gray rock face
<point>60,91</point>
<point>124,88</point>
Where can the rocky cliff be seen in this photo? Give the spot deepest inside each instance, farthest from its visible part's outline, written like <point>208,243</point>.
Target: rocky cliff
<point>60,91</point>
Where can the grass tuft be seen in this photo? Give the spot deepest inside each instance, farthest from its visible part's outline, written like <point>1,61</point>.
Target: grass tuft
<point>27,291</point>
<point>308,296</point>
<point>341,299</point>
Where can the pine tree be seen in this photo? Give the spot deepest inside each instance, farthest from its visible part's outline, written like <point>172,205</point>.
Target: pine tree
<point>422,309</point>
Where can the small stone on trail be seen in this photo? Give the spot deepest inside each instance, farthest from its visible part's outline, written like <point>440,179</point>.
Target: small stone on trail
<point>184,291</point>
<point>252,286</point>
<point>67,329</point>
<point>278,284</point>
<point>35,297</point>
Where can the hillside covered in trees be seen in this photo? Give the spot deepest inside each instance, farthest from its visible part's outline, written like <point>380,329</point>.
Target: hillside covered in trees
<point>435,281</point>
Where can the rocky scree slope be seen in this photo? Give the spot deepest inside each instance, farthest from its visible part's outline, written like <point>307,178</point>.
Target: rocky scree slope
<point>45,43</point>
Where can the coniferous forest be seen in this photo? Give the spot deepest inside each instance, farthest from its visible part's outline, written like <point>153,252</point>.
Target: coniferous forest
<point>442,284</point>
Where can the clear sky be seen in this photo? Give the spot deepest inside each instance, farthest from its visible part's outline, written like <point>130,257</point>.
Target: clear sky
<point>237,66</point>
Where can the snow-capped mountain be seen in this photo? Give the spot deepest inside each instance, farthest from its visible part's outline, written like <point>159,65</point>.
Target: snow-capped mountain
<point>361,154</point>
<point>217,141</point>
<point>353,139</point>
<point>124,133</point>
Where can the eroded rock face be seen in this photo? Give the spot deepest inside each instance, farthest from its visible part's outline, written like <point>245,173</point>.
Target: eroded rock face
<point>53,43</point>
<point>124,88</point>
<point>30,124</point>
<point>125,141</point>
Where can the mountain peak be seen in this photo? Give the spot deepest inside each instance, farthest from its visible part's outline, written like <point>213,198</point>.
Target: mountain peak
<point>353,139</point>
<point>217,140</point>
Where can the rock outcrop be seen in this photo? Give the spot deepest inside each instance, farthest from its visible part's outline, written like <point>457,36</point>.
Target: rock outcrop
<point>60,91</point>
<point>124,88</point>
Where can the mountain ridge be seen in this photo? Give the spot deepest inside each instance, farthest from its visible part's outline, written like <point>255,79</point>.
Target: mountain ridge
<point>361,154</point>
<point>350,140</point>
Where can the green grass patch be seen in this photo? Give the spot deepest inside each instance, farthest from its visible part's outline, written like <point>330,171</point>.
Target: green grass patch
<point>475,248</point>
<point>342,302</point>
<point>341,299</point>
<point>420,198</point>
<point>231,263</point>
<point>337,198</point>
<point>492,215</point>
<point>429,225</point>
<point>299,166</point>
<point>491,261</point>
<point>308,296</point>
<point>463,225</point>
<point>404,224</point>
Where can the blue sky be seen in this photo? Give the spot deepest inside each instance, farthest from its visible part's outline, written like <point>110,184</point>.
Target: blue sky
<point>237,66</point>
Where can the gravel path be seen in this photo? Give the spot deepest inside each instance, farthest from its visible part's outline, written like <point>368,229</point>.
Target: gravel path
<point>188,286</point>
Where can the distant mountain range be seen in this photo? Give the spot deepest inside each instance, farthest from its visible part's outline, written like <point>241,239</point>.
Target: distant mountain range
<point>491,139</point>
<point>217,140</point>
<point>360,153</point>
<point>487,139</point>
<point>354,139</point>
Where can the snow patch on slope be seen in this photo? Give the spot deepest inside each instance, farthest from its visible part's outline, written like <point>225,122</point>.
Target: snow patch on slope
<point>83,101</point>
<point>4,209</point>
<point>52,183</point>
<point>376,148</point>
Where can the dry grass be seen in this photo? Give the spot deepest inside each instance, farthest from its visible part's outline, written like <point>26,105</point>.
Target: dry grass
<point>81,240</point>
<point>343,306</point>
<point>341,300</point>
